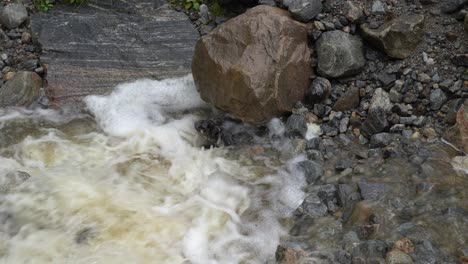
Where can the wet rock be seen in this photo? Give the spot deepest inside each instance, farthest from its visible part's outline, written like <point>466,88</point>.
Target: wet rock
<point>380,140</point>
<point>398,37</point>
<point>12,180</point>
<point>451,6</point>
<point>437,99</point>
<point>26,37</point>
<point>305,10</point>
<point>353,12</point>
<point>22,90</point>
<point>318,91</point>
<point>453,107</point>
<point>312,170</point>
<point>287,255</point>
<point>313,206</point>
<point>296,126</point>
<point>347,196</point>
<point>398,257</point>
<point>378,8</point>
<point>373,191</point>
<point>238,69</point>
<point>380,99</point>
<point>370,250</point>
<point>314,143</point>
<point>339,54</point>
<point>375,122</point>
<point>386,78</point>
<point>343,164</point>
<point>348,101</point>
<point>13,15</point>
<point>8,224</point>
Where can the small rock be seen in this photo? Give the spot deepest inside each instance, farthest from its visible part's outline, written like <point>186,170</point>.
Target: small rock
<point>373,191</point>
<point>380,99</point>
<point>437,99</point>
<point>380,140</point>
<point>378,8</point>
<point>398,257</point>
<point>451,6</point>
<point>339,54</point>
<point>344,125</point>
<point>353,12</point>
<point>318,91</point>
<point>376,122</point>
<point>296,126</point>
<point>313,206</point>
<point>305,10</point>
<point>311,169</point>
<point>343,164</point>
<point>13,15</point>
<point>348,101</point>
<point>424,78</point>
<point>386,78</point>
<point>8,76</point>
<point>398,37</point>
<point>446,84</point>
<point>21,90</point>
<point>429,133</point>
<point>26,37</point>
<point>404,245</point>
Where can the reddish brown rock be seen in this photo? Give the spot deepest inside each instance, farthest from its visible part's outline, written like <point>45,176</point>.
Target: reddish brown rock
<point>255,66</point>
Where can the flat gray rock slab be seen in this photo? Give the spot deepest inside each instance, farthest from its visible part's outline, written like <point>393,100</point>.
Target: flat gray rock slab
<point>90,49</point>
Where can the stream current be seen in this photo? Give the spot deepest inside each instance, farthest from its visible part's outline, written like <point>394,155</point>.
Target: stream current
<point>130,183</point>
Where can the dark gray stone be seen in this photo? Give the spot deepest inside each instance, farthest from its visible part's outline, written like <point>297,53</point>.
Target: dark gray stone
<point>376,122</point>
<point>437,99</point>
<point>380,140</point>
<point>318,91</point>
<point>313,206</point>
<point>343,164</point>
<point>353,12</point>
<point>373,191</point>
<point>451,6</point>
<point>339,54</point>
<point>348,195</point>
<point>312,170</point>
<point>386,78</point>
<point>296,126</point>
<point>305,10</point>
<point>22,90</point>
<point>91,49</point>
<point>13,15</point>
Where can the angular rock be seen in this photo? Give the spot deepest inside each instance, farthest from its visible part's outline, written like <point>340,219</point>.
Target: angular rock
<point>296,126</point>
<point>21,90</point>
<point>254,66</point>
<point>378,8</point>
<point>339,54</point>
<point>373,191</point>
<point>110,42</point>
<point>376,122</point>
<point>353,12</point>
<point>13,15</point>
<point>348,101</point>
<point>380,99</point>
<point>380,140</point>
<point>398,37</point>
<point>437,99</point>
<point>305,10</point>
<point>451,6</point>
<point>318,91</point>
<point>313,206</point>
<point>312,170</point>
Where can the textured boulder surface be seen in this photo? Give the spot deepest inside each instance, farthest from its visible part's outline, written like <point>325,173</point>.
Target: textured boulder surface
<point>21,90</point>
<point>254,66</point>
<point>398,37</point>
<point>88,50</point>
<point>13,15</point>
<point>305,10</point>
<point>339,54</point>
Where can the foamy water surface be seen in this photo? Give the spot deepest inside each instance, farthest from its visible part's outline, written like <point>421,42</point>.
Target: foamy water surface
<point>133,185</point>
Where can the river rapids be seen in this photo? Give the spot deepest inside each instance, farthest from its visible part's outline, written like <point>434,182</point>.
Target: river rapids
<point>128,182</point>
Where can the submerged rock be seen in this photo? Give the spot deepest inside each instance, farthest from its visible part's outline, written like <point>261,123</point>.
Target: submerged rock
<point>339,54</point>
<point>13,15</point>
<point>254,66</point>
<point>398,37</point>
<point>21,90</point>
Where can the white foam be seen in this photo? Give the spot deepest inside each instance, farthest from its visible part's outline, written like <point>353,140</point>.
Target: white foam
<point>146,191</point>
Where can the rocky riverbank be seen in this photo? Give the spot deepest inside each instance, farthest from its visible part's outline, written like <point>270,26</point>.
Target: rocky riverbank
<point>386,81</point>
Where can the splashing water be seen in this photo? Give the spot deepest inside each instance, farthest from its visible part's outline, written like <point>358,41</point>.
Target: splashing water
<point>132,185</point>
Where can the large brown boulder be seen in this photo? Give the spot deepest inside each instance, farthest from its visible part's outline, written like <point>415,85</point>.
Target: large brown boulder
<point>254,66</point>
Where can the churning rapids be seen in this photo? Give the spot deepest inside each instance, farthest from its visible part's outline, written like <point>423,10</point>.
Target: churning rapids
<point>130,183</point>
